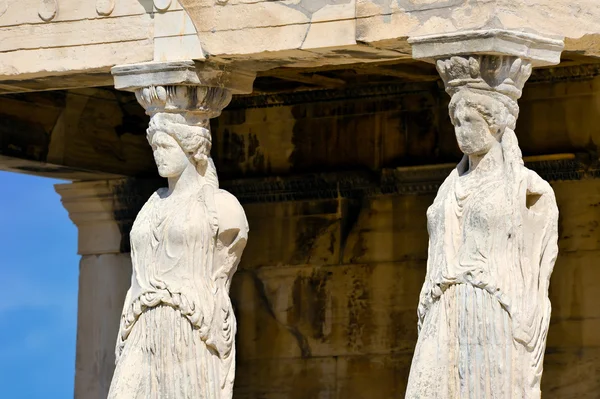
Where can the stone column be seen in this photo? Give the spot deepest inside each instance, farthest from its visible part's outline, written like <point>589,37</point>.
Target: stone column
<point>484,310</point>
<point>177,333</point>
<point>103,212</point>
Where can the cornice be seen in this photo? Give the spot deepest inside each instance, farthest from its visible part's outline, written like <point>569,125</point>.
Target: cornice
<point>309,96</point>
<point>120,200</point>
<point>417,180</point>
<point>560,74</point>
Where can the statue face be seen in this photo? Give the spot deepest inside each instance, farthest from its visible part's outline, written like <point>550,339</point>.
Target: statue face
<point>170,159</point>
<point>472,130</point>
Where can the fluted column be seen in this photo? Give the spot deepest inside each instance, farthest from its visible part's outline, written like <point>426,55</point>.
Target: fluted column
<point>484,310</point>
<point>103,212</point>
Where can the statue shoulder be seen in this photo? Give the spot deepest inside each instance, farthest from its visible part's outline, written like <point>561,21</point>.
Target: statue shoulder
<point>230,213</point>
<point>536,184</point>
<point>540,193</point>
<point>447,184</point>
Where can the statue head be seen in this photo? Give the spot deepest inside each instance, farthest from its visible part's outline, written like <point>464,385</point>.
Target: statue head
<point>480,119</point>
<point>178,143</point>
<point>484,91</point>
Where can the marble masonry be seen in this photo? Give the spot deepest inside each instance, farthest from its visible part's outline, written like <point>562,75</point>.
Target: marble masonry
<point>407,201</point>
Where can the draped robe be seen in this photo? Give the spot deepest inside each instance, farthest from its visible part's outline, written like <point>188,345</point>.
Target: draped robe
<point>176,337</point>
<point>484,309</point>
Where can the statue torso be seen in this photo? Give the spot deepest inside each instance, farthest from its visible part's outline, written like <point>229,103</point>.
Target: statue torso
<point>470,228</point>
<point>171,241</point>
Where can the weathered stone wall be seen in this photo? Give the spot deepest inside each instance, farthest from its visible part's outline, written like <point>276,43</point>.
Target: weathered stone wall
<point>327,293</point>
<point>386,126</point>
<point>100,133</point>
<point>82,134</point>
<point>572,364</point>
<point>326,298</point>
<point>327,290</point>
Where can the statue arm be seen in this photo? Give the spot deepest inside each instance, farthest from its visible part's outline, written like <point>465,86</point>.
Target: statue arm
<point>543,215</point>
<point>232,235</point>
<point>425,297</point>
<point>540,250</point>
<point>543,212</point>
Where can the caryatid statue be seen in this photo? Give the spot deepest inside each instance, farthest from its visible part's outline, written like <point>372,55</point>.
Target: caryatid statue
<point>176,337</point>
<point>484,310</point>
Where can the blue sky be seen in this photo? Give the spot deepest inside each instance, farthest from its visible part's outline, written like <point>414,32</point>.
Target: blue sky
<point>39,268</point>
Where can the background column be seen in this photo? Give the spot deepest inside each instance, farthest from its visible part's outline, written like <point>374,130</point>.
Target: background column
<point>103,212</point>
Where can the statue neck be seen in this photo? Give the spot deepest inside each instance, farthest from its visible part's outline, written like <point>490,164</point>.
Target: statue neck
<point>491,160</point>
<point>189,181</point>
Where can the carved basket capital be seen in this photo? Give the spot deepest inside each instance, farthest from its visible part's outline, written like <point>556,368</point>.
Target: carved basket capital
<point>197,90</point>
<point>203,101</point>
<point>504,74</point>
<point>182,87</point>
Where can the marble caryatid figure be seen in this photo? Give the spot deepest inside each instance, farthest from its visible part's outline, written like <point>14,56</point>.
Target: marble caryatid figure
<point>484,310</point>
<point>176,338</point>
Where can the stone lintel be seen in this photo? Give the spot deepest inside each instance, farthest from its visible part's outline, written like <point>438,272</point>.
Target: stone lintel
<point>539,50</point>
<point>187,73</point>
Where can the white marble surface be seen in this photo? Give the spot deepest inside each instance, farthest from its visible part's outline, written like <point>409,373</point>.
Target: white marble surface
<point>177,331</point>
<point>484,310</point>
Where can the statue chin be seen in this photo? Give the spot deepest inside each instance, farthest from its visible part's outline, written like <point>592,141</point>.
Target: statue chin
<point>164,173</point>
<point>167,172</point>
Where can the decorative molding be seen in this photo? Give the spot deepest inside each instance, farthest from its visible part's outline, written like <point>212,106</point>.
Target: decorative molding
<point>48,10</point>
<point>186,73</point>
<point>568,73</point>
<point>308,96</point>
<point>105,7</point>
<point>204,102</point>
<point>412,180</point>
<point>485,73</point>
<point>120,200</point>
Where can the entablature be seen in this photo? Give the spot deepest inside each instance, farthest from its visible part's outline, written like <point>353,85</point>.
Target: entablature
<point>66,44</point>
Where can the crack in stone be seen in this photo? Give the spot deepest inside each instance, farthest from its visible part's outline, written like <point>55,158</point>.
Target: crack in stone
<point>293,330</point>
